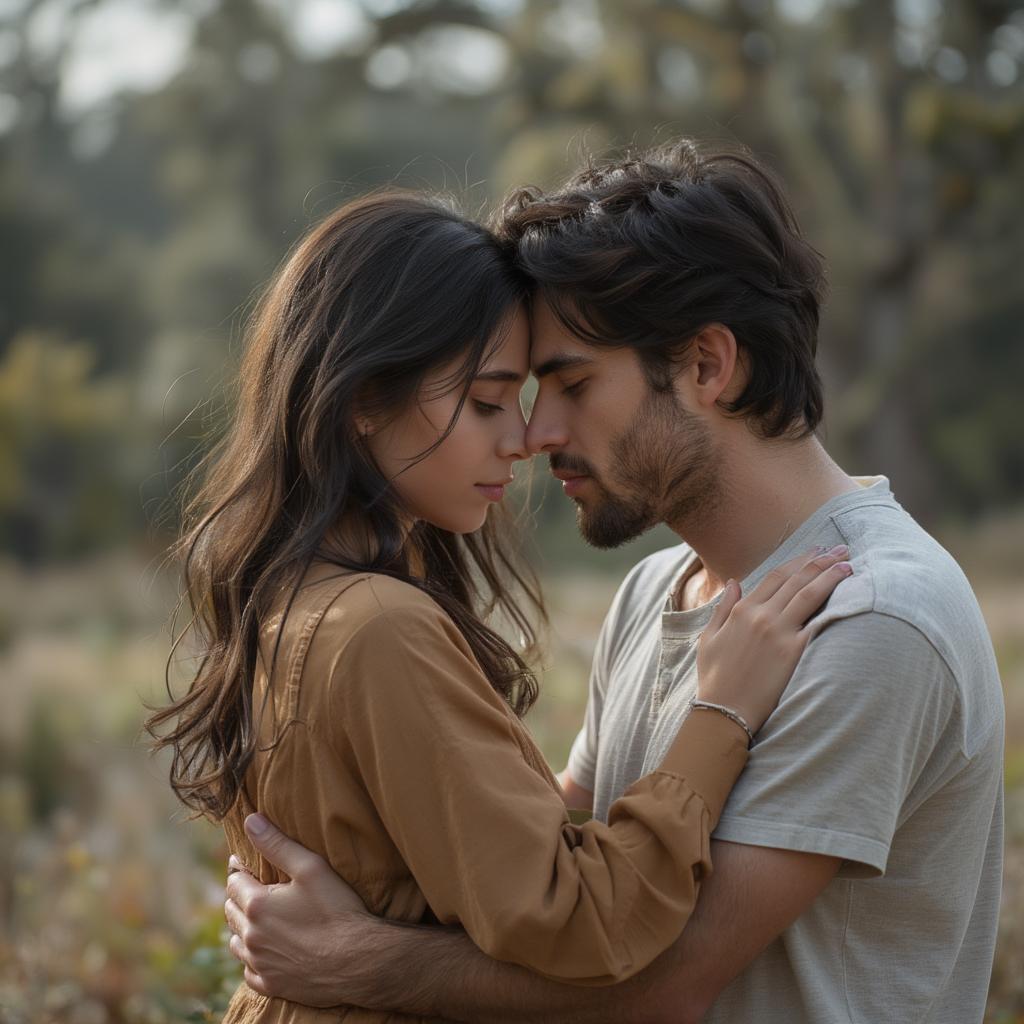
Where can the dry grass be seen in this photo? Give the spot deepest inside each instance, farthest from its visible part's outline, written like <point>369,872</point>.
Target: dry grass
<point>110,905</point>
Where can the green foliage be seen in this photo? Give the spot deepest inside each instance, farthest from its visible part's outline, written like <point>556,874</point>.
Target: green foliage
<point>138,231</point>
<point>65,464</point>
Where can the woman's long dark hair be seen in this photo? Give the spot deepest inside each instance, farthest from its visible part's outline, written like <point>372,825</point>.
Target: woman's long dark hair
<point>389,288</point>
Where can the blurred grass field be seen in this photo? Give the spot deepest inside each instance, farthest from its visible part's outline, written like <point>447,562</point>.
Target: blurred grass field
<point>110,904</point>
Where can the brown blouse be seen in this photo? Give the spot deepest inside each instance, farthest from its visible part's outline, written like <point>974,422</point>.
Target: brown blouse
<point>399,764</point>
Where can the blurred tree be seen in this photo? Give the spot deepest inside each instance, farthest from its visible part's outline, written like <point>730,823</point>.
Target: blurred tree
<point>141,223</point>
<point>897,127</point>
<point>65,469</point>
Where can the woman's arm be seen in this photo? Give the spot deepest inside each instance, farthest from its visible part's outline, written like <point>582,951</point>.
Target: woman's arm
<point>486,836</point>
<point>697,747</point>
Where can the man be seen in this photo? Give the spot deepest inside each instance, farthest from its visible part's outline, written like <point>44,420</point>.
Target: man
<point>858,861</point>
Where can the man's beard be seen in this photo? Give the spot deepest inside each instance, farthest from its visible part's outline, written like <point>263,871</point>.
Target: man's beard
<point>662,468</point>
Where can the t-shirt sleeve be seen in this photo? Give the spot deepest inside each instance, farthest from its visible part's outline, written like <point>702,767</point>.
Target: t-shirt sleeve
<point>487,837</point>
<point>833,765</point>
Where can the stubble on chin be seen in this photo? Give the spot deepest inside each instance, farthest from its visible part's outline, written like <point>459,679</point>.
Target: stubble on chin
<point>663,468</point>
<point>612,521</point>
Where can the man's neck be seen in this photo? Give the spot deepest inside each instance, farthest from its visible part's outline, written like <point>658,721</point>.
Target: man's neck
<point>767,489</point>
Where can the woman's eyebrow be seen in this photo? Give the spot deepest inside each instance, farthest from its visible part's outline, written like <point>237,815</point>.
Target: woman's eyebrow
<point>500,375</point>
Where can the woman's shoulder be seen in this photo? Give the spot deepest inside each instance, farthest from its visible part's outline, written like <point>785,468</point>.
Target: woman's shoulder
<point>372,606</point>
<point>333,599</point>
<point>386,642</point>
<point>390,595</point>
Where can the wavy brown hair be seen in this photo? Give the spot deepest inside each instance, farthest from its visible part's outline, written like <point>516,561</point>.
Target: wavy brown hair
<point>385,290</point>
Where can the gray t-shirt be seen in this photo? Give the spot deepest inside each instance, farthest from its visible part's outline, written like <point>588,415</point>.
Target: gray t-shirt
<point>886,750</point>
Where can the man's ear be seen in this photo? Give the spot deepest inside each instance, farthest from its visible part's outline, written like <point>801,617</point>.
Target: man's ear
<point>716,372</point>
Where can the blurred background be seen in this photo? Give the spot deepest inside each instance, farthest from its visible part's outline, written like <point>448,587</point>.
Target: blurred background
<point>157,160</point>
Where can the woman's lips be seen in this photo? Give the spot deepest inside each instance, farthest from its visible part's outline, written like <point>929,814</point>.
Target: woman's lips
<point>493,492</point>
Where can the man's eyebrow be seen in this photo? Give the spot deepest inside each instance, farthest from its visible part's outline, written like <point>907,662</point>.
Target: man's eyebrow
<point>559,362</point>
<point>500,375</point>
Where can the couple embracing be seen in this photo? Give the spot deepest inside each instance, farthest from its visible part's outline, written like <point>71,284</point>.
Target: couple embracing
<point>792,748</point>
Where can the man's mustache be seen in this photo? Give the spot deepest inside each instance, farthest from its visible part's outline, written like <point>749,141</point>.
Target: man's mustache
<point>565,463</point>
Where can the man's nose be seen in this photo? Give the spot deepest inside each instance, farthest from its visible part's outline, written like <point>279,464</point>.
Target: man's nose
<point>545,432</point>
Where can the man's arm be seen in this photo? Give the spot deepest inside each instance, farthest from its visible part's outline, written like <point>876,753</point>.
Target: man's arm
<point>754,894</point>
<point>302,941</point>
<point>574,795</point>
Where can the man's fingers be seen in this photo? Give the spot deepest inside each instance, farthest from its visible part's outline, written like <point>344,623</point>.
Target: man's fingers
<point>235,918</point>
<point>285,854</point>
<point>242,887</point>
<point>238,950</point>
<point>256,982</point>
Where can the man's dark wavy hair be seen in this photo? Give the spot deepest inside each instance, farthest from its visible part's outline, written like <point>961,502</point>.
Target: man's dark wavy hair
<point>645,252</point>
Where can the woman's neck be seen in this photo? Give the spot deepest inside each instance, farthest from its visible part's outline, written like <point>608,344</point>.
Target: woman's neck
<point>352,540</point>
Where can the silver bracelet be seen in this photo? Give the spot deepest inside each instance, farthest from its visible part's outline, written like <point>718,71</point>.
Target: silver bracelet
<point>733,716</point>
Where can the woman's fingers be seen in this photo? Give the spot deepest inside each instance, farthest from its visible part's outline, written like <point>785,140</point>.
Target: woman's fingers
<point>809,571</point>
<point>814,594</point>
<point>747,661</point>
<point>778,577</point>
<point>730,595</point>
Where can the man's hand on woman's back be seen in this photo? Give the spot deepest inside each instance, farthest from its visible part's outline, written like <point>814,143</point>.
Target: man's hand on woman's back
<point>295,939</point>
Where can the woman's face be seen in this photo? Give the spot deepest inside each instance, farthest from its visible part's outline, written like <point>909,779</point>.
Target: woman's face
<point>454,486</point>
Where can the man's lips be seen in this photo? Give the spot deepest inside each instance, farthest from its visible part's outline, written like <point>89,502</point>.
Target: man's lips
<point>572,481</point>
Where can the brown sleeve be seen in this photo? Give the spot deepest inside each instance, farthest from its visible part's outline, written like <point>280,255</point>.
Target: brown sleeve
<point>488,840</point>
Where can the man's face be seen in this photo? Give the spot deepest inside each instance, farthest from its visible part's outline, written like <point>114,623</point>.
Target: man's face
<point>628,456</point>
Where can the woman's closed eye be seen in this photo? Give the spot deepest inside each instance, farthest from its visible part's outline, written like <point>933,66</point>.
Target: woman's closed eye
<point>574,389</point>
<point>487,408</point>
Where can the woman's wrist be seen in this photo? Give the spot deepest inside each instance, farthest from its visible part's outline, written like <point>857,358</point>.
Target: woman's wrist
<point>709,752</point>
<point>733,714</point>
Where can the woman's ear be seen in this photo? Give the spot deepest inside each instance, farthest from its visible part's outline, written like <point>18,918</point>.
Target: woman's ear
<point>365,414</point>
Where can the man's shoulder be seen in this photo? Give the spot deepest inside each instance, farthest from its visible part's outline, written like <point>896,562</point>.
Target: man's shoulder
<point>902,572</point>
<point>908,592</point>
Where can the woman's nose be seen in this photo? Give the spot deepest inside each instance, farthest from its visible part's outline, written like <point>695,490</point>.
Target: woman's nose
<point>513,440</point>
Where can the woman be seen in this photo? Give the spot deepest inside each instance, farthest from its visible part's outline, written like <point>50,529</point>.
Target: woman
<point>340,563</point>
